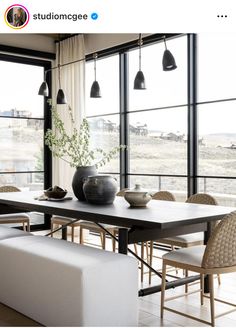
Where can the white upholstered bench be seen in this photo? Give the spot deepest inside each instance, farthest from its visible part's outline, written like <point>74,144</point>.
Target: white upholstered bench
<point>59,283</point>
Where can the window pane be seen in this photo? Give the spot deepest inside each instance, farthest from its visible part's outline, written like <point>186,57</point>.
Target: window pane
<point>21,145</point>
<point>224,190</point>
<point>108,78</point>
<point>216,68</point>
<point>19,90</point>
<point>25,181</point>
<point>217,139</point>
<point>158,141</point>
<point>163,88</point>
<point>104,133</point>
<point>178,186</point>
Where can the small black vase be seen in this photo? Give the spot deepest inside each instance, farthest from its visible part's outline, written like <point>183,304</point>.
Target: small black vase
<point>79,178</point>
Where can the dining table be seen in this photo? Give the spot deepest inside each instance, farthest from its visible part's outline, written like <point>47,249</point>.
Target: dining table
<point>159,219</point>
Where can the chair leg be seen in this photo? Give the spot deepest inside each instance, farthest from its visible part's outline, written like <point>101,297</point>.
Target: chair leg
<point>103,239</point>
<point>212,305</point>
<point>163,287</point>
<point>113,242</point>
<point>52,228</point>
<point>202,288</point>
<point>186,285</point>
<point>142,256</point>
<point>150,260</point>
<point>72,233</point>
<point>81,236</point>
<point>219,280</point>
<point>23,226</point>
<point>173,248</point>
<point>28,226</point>
<point>136,249</point>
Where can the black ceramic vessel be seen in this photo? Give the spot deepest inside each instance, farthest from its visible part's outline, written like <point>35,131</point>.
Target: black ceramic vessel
<point>79,178</point>
<point>100,189</point>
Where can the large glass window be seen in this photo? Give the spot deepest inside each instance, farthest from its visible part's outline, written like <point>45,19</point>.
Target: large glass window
<point>158,137</point>
<point>21,126</point>
<point>216,116</point>
<point>161,146</point>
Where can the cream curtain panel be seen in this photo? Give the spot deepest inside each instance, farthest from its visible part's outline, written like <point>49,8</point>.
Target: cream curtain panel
<point>73,85</point>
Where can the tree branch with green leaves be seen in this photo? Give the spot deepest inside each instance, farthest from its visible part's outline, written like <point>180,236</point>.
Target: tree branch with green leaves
<point>73,146</point>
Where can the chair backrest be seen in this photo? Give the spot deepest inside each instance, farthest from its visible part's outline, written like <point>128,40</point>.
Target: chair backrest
<point>163,195</point>
<point>202,199</point>
<point>220,250</point>
<point>8,189</point>
<point>122,192</point>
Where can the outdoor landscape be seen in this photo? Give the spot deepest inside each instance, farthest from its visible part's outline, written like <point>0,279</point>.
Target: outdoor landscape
<point>165,153</point>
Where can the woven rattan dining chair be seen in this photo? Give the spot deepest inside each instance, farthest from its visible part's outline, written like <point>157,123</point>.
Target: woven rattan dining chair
<point>160,195</point>
<point>87,225</point>
<point>217,257</point>
<point>22,218</point>
<point>84,225</point>
<point>192,239</point>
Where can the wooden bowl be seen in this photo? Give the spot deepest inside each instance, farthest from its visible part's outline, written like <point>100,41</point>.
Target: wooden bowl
<point>57,194</point>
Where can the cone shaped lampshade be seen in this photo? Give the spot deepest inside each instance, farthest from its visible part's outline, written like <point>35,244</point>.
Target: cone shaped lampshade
<point>168,61</point>
<point>95,91</point>
<point>139,81</point>
<point>61,99</point>
<point>43,90</point>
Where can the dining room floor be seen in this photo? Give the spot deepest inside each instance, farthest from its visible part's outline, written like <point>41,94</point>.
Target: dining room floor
<point>149,306</point>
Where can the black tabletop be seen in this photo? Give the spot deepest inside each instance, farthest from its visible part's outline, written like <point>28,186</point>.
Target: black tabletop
<point>157,214</point>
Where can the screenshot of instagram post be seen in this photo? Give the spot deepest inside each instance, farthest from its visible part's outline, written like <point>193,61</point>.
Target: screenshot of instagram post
<point>118,163</point>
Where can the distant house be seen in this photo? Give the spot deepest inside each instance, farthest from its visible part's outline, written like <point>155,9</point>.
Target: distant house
<point>104,125</point>
<point>172,136</point>
<point>16,113</point>
<point>138,129</point>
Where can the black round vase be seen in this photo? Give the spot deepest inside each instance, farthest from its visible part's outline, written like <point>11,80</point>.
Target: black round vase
<point>100,189</point>
<point>79,178</point>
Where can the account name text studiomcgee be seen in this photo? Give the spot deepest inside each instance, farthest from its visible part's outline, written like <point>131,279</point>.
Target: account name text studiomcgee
<point>53,16</point>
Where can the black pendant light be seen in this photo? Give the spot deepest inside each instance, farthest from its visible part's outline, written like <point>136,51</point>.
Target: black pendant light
<point>43,90</point>
<point>139,81</point>
<point>61,99</point>
<point>168,61</point>
<point>95,91</point>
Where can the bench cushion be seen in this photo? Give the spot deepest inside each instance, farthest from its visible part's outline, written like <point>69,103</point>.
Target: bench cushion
<point>59,283</point>
<point>6,232</point>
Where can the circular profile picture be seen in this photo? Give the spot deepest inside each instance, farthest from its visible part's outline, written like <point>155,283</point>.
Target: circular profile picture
<point>16,16</point>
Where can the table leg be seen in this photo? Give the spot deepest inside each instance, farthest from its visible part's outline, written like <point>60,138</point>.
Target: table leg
<point>207,234</point>
<point>64,233</point>
<point>123,241</point>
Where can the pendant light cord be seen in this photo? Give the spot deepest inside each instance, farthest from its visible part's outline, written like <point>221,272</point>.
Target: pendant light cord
<point>165,42</point>
<point>140,42</point>
<point>59,66</point>
<point>95,69</point>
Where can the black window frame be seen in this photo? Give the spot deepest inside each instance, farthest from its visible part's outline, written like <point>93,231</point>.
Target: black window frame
<point>192,104</point>
<point>123,51</point>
